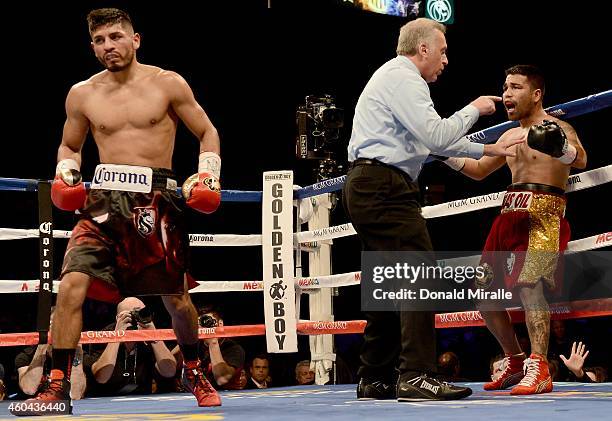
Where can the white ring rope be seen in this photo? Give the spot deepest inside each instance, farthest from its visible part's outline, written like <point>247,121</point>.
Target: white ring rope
<point>308,283</point>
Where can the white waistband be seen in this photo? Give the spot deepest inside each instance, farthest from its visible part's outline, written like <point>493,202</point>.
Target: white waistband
<point>130,178</point>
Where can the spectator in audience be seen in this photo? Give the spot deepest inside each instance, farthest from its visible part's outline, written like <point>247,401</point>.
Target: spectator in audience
<point>33,365</point>
<point>243,379</point>
<point>303,373</point>
<point>496,366</point>
<point>221,359</point>
<point>129,367</point>
<point>559,342</point>
<point>575,364</point>
<point>260,373</point>
<point>449,367</point>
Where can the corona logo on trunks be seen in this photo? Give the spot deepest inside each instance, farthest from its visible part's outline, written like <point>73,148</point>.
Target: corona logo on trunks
<point>122,178</point>
<point>144,219</point>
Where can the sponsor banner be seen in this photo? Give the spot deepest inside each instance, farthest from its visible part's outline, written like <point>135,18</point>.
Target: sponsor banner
<point>123,178</point>
<point>277,253</point>
<point>590,243</point>
<point>558,311</point>
<point>329,281</point>
<point>588,179</point>
<point>224,240</point>
<point>576,182</point>
<point>327,233</point>
<point>469,204</point>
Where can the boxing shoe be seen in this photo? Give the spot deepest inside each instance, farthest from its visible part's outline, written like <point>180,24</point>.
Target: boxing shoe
<point>512,372</point>
<point>375,389</point>
<point>537,377</point>
<point>423,387</point>
<point>195,381</point>
<point>52,399</point>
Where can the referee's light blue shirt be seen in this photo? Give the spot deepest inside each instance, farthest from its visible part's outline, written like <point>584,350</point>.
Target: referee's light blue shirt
<point>395,121</point>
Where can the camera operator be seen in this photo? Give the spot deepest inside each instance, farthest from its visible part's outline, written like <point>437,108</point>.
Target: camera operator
<point>130,367</point>
<point>33,365</point>
<point>221,359</point>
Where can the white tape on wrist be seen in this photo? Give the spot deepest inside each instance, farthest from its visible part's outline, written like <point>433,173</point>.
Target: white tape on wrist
<point>210,162</point>
<point>67,164</point>
<point>455,163</point>
<point>569,156</point>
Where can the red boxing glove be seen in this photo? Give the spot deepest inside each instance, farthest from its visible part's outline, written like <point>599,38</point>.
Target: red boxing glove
<point>68,191</point>
<point>202,192</point>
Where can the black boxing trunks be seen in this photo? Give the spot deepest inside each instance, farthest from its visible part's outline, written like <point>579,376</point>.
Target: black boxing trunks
<point>131,243</point>
<point>526,239</point>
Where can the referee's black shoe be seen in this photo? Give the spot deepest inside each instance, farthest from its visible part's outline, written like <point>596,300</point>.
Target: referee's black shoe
<point>375,389</point>
<point>423,387</point>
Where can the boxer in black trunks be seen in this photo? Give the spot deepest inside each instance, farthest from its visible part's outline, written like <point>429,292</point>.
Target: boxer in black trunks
<point>130,239</point>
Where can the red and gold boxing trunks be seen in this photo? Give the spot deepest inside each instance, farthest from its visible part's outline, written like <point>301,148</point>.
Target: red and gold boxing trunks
<point>525,240</point>
<point>130,243</point>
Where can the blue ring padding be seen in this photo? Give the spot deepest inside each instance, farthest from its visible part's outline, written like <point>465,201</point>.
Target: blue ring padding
<point>325,186</point>
<point>569,109</point>
<point>18,184</point>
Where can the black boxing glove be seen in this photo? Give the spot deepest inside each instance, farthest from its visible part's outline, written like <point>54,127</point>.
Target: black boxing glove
<point>455,163</point>
<point>549,138</point>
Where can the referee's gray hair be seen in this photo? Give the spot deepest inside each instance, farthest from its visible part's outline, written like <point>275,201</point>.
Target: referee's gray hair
<point>415,32</point>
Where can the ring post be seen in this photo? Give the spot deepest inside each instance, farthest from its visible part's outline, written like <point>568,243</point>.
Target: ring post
<point>320,302</point>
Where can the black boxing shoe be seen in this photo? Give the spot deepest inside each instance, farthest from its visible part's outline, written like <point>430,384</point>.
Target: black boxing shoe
<point>375,389</point>
<point>423,387</point>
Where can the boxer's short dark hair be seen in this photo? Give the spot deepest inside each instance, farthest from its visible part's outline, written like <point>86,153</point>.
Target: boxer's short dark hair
<point>107,16</point>
<point>534,75</point>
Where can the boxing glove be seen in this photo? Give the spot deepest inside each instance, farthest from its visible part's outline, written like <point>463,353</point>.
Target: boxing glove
<point>549,138</point>
<point>202,191</point>
<point>67,190</point>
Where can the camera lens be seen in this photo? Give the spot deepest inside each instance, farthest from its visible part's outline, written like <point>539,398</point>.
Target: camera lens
<point>207,320</point>
<point>141,315</point>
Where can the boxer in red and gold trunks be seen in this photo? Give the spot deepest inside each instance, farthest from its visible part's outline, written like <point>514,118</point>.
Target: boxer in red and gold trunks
<point>531,229</point>
<point>130,239</point>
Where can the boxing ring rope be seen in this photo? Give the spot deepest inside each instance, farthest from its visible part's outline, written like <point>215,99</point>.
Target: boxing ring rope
<point>321,236</point>
<point>577,182</point>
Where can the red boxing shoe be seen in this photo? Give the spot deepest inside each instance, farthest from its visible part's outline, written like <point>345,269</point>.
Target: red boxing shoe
<point>512,372</point>
<point>52,399</point>
<point>537,377</point>
<point>195,381</point>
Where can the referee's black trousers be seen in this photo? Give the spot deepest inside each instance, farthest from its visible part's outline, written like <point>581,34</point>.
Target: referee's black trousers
<point>382,203</point>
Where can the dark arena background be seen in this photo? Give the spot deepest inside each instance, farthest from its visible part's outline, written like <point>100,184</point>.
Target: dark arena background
<point>251,64</point>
